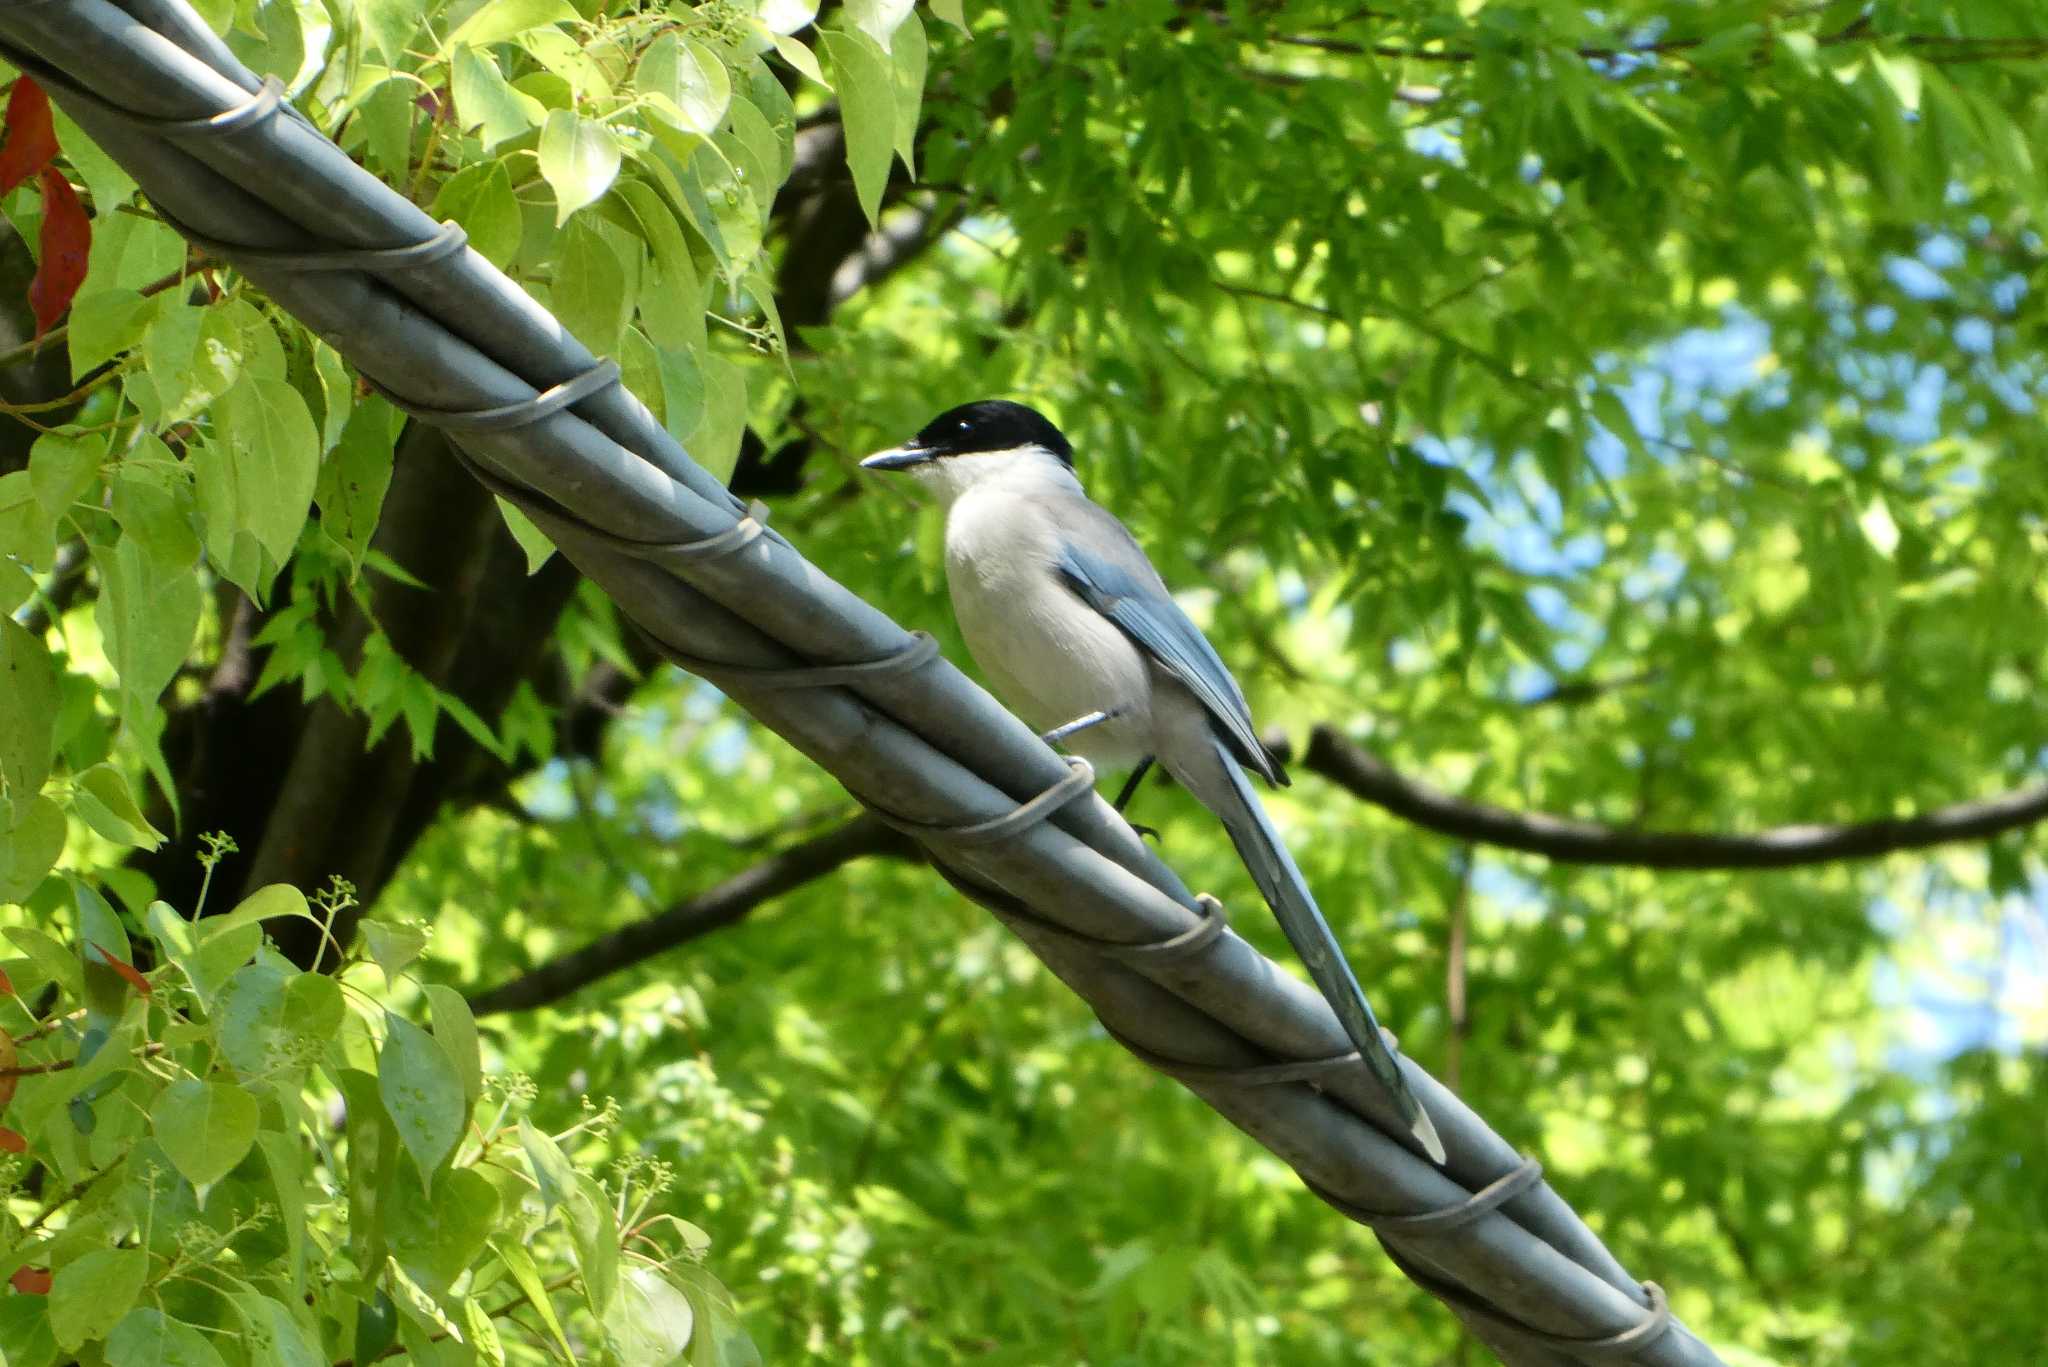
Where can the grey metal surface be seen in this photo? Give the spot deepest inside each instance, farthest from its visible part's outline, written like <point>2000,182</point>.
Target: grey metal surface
<point>612,487</point>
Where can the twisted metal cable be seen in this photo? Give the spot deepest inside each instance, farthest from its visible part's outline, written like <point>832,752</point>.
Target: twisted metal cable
<point>542,421</point>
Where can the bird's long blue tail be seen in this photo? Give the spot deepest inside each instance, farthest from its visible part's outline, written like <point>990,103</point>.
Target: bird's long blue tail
<point>1286,892</point>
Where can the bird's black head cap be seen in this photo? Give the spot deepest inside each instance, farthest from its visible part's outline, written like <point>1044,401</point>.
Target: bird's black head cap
<point>991,425</point>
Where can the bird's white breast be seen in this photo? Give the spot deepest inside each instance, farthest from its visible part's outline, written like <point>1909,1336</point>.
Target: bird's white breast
<point>1047,655</point>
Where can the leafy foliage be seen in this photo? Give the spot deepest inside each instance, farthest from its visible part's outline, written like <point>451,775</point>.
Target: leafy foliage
<point>229,1160</point>
<point>1629,413</point>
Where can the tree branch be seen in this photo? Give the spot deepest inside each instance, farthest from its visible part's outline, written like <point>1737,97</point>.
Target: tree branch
<point>1933,47</point>
<point>1569,841</point>
<point>709,910</point>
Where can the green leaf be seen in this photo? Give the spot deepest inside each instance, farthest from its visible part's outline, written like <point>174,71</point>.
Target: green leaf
<point>31,841</point>
<point>271,902</point>
<point>802,58</point>
<point>640,370</point>
<point>100,932</point>
<point>483,1334</point>
<point>763,91</point>
<point>686,83</point>
<point>256,478</point>
<point>672,305</point>
<point>455,1028</point>
<point>102,798</point>
<point>289,1181</point>
<point>595,1235</point>
<point>274,1335</point>
<point>649,1321</point>
<point>25,531</point>
<point>438,1237</point>
<point>715,441</point>
<point>762,151</point>
<point>552,1171</point>
<point>520,1264</point>
<point>214,956</point>
<point>422,1091</point>
<point>376,1326</point>
<point>355,476</point>
<point>148,611</point>
<point>493,219</point>
<point>421,1307</point>
<point>58,964</point>
<point>28,710</point>
<point>484,100</point>
<point>566,56</point>
<point>386,115</point>
<point>720,1337</point>
<point>314,1006</point>
<point>205,1128</point>
<point>388,24</point>
<point>175,378</point>
<point>866,82</point>
<point>336,392</point>
<point>154,503</point>
<point>879,19</point>
<point>907,57</point>
<point>579,159</point>
<point>249,1020</point>
<point>949,10</point>
<point>785,16</point>
<point>103,324</point>
<point>589,293</point>
<point>393,946</point>
<point>147,1337</point>
<point>17,585</point>
<point>532,540</point>
<point>682,390</point>
<point>502,19</point>
<point>373,1163</point>
<point>91,1294</point>
<point>61,467</point>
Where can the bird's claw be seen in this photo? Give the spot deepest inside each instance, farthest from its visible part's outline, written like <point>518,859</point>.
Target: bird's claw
<point>1150,832</point>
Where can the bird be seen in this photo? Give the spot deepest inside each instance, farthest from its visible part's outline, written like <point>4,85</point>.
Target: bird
<point>1076,632</point>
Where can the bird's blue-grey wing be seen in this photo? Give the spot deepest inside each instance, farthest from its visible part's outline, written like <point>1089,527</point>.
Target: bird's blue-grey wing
<point>1112,576</point>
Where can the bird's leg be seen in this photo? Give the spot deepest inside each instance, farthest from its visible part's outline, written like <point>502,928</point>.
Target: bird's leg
<point>1130,790</point>
<point>1080,724</point>
<point>1096,718</point>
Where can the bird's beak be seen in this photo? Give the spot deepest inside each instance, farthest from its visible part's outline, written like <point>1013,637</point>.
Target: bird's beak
<point>897,458</point>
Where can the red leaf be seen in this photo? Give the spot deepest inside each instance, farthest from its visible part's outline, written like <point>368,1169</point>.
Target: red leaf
<point>12,1142</point>
<point>67,239</point>
<point>30,141</point>
<point>125,969</point>
<point>6,984</point>
<point>31,1281</point>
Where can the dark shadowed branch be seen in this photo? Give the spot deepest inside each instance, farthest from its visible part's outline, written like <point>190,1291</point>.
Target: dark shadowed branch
<point>1570,841</point>
<point>707,911</point>
<point>1931,47</point>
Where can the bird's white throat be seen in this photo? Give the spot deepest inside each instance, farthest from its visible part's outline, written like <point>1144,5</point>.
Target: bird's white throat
<point>1026,469</point>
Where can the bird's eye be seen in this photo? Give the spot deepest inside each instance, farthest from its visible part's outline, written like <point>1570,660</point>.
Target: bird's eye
<point>964,425</point>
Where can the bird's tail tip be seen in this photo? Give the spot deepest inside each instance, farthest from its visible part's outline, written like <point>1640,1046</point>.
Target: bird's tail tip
<point>1425,1134</point>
